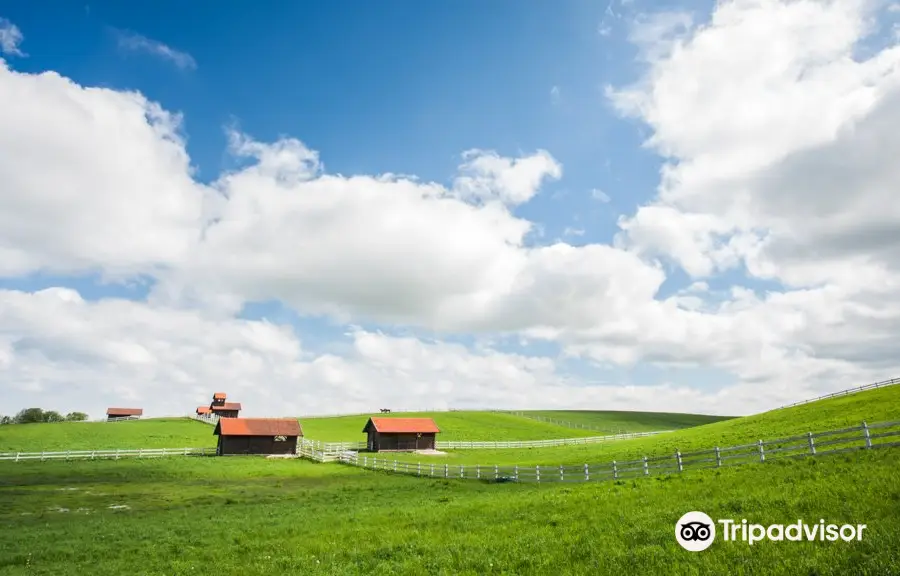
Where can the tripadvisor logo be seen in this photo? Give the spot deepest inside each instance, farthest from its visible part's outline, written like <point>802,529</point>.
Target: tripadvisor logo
<point>695,531</point>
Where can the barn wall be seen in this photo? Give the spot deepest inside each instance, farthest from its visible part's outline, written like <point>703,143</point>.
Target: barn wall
<point>231,445</point>
<point>226,413</point>
<point>387,442</point>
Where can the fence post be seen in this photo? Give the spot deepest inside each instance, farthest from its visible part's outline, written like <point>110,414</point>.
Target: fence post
<point>462,470</point>
<point>17,456</point>
<point>587,473</point>
<point>678,460</point>
<point>478,471</point>
<point>762,452</point>
<point>446,470</point>
<point>365,461</point>
<point>432,469</point>
<point>646,467</point>
<point>517,472</point>
<point>868,436</point>
<point>140,453</point>
<point>615,471</point>
<point>418,468</point>
<point>496,471</point>
<point>718,458</point>
<point>812,443</point>
<point>537,473</point>
<point>42,455</point>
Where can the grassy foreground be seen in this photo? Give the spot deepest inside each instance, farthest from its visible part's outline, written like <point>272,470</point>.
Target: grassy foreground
<point>875,405</point>
<point>156,433</point>
<point>628,421</point>
<point>248,516</point>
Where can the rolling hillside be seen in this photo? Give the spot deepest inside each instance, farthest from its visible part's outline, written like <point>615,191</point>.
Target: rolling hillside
<point>453,425</point>
<point>615,420</point>
<point>155,433</point>
<point>875,405</point>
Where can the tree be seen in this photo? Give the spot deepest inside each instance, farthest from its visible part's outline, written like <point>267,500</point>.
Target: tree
<point>5,420</point>
<point>29,416</point>
<point>76,417</point>
<point>53,416</point>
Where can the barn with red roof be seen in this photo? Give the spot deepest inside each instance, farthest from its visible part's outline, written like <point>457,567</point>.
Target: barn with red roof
<point>401,434</point>
<point>257,436</point>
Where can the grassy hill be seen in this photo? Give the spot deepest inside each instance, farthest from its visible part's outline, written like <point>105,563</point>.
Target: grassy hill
<point>155,433</point>
<point>626,421</point>
<point>252,516</point>
<point>874,405</point>
<point>453,425</point>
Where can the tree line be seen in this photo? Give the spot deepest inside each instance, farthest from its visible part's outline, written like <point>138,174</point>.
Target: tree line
<point>34,415</point>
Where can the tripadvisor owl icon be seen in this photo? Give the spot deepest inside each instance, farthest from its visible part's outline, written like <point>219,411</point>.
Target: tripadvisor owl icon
<point>695,531</point>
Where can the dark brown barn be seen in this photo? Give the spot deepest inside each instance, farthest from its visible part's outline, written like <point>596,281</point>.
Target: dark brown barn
<point>257,436</point>
<point>226,410</point>
<point>400,434</point>
<point>119,413</point>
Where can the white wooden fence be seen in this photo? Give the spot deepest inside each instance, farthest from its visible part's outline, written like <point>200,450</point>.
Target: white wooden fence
<point>113,454</point>
<point>846,392</point>
<point>335,448</point>
<point>206,418</point>
<point>866,436</point>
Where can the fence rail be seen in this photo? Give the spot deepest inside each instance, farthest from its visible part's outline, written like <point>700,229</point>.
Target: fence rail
<point>846,392</point>
<point>114,454</point>
<point>865,436</point>
<point>206,418</point>
<point>340,447</point>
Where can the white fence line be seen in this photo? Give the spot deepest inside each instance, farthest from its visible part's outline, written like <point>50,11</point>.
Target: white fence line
<point>206,418</point>
<point>334,449</point>
<point>866,436</point>
<point>846,392</point>
<point>114,454</point>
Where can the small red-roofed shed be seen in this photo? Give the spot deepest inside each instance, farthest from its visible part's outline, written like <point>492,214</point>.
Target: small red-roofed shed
<point>201,410</point>
<point>257,436</point>
<point>123,413</point>
<point>401,434</point>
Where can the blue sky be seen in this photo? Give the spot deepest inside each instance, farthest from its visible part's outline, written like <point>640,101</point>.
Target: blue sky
<point>398,87</point>
<point>379,88</point>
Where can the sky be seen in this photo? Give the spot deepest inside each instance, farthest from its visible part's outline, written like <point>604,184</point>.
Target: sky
<point>331,207</point>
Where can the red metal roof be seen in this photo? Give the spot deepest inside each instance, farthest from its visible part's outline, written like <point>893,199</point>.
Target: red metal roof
<point>219,396</point>
<point>402,425</point>
<point>202,409</point>
<point>124,411</point>
<point>227,406</point>
<point>258,427</point>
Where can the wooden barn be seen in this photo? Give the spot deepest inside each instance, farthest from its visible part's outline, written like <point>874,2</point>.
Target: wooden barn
<point>203,410</point>
<point>226,410</point>
<point>257,436</point>
<point>218,399</point>
<point>400,434</point>
<point>113,414</point>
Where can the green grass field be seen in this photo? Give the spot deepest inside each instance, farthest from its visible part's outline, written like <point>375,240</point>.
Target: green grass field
<point>183,432</point>
<point>248,516</point>
<point>627,421</point>
<point>453,425</point>
<point>875,405</point>
<point>131,434</point>
<point>196,515</point>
